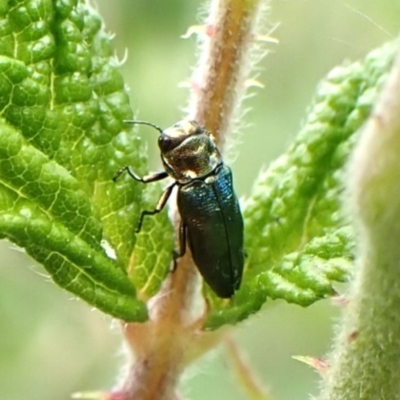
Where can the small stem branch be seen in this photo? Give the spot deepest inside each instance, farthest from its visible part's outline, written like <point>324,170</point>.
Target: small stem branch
<point>246,377</point>
<point>366,358</point>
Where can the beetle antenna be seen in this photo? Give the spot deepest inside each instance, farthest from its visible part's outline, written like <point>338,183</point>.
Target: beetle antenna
<point>136,122</point>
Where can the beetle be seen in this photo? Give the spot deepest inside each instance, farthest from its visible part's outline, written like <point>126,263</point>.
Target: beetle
<point>211,220</point>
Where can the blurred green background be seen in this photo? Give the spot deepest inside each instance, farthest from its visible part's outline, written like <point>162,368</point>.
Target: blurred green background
<point>51,344</point>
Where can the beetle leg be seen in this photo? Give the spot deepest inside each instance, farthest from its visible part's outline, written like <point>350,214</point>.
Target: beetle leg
<point>182,246</point>
<point>182,239</point>
<point>160,205</point>
<point>153,177</point>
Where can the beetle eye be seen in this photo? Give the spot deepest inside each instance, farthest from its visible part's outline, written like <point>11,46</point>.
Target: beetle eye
<point>164,142</point>
<point>167,143</point>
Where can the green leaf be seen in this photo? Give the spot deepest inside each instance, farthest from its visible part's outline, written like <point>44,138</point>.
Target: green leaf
<point>298,239</point>
<point>152,254</point>
<point>62,138</point>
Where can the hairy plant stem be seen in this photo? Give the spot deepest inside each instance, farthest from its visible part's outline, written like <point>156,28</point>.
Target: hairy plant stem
<point>218,83</point>
<point>159,346</point>
<point>366,357</point>
<point>172,337</point>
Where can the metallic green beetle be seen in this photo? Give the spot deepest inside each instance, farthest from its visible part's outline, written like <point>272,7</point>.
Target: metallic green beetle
<point>211,221</point>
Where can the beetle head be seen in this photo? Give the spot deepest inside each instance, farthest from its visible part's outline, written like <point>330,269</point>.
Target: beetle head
<point>188,151</point>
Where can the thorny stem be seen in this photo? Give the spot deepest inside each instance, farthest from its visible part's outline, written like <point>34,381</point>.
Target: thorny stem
<point>366,357</point>
<point>172,337</point>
